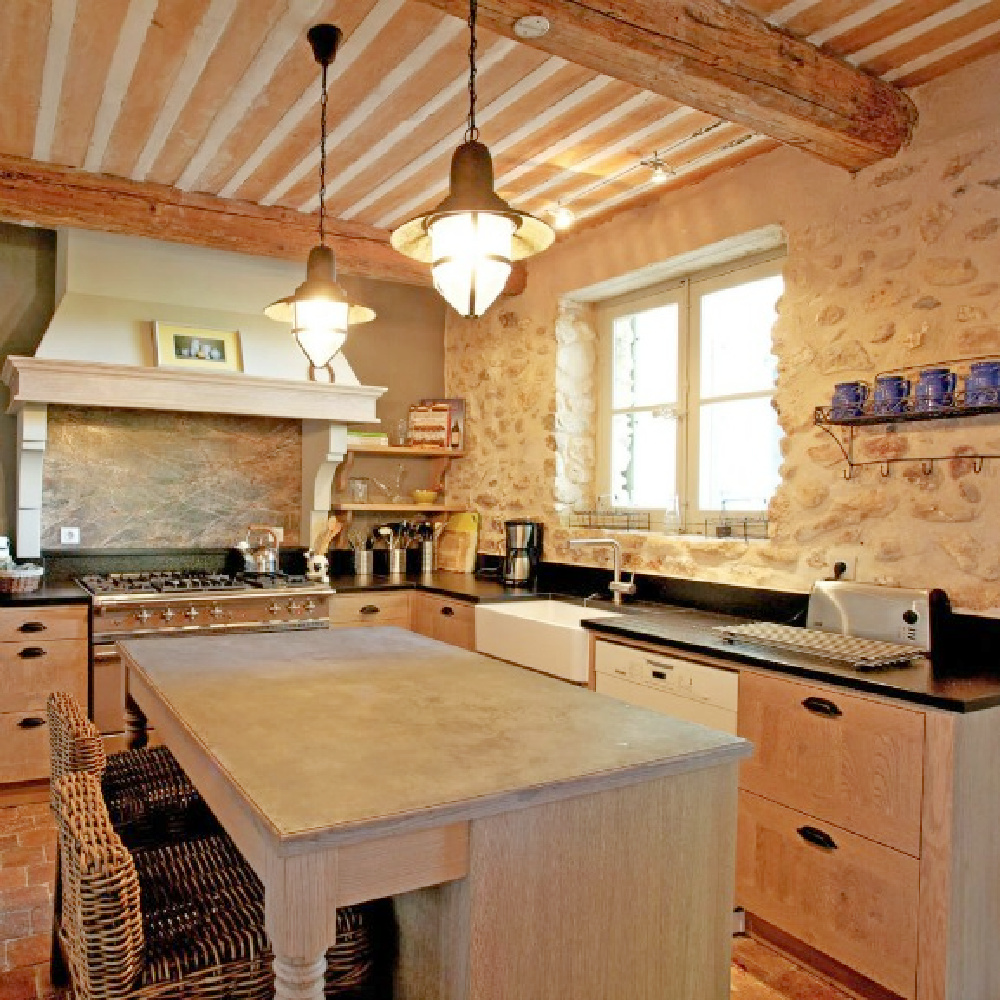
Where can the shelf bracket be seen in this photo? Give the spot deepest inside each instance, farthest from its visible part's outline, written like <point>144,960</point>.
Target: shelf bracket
<point>324,446</point>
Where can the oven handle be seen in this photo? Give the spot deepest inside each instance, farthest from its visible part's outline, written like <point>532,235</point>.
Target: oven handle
<point>106,652</point>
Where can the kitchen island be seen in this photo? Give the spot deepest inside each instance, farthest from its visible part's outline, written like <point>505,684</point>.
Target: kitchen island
<point>539,841</point>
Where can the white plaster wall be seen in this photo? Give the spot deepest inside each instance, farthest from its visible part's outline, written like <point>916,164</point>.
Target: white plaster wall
<point>114,287</point>
<point>896,265</point>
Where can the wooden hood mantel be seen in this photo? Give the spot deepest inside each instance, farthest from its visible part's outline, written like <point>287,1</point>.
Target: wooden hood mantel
<point>325,411</point>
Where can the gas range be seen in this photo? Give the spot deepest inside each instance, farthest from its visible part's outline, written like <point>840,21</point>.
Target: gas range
<point>136,604</point>
<point>184,582</point>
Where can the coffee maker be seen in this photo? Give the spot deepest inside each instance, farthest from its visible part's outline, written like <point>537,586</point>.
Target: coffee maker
<point>524,549</point>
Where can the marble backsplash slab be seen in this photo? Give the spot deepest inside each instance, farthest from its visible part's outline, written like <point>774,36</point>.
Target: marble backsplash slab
<point>142,478</point>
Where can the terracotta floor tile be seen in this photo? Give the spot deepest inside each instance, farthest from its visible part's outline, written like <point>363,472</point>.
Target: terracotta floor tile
<point>21,984</point>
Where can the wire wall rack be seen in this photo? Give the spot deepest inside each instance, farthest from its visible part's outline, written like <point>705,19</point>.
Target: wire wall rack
<point>842,421</point>
<point>611,520</point>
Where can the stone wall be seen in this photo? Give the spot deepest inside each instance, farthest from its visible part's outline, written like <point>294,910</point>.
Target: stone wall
<point>898,265</point>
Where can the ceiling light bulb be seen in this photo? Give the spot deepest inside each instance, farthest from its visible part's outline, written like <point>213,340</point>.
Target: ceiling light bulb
<point>660,169</point>
<point>563,217</point>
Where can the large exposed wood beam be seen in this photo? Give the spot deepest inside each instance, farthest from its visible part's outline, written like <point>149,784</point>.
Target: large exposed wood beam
<point>52,196</point>
<point>721,59</point>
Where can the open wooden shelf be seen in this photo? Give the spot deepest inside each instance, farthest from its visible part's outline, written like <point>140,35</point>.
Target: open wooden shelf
<point>405,451</point>
<point>403,508</point>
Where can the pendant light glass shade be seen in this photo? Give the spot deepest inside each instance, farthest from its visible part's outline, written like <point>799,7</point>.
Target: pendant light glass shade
<point>319,310</point>
<point>473,237</point>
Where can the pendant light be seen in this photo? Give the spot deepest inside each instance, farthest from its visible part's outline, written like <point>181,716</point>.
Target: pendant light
<point>319,310</point>
<point>472,238</point>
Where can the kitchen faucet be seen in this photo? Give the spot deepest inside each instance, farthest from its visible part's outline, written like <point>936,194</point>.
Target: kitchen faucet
<point>617,586</point>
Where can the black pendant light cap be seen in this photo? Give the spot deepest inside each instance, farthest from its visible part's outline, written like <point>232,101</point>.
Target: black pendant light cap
<point>324,39</point>
<point>321,282</point>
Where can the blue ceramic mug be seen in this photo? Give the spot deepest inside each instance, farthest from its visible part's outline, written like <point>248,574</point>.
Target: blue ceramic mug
<point>982,384</point>
<point>935,389</point>
<point>891,392</point>
<point>849,399</point>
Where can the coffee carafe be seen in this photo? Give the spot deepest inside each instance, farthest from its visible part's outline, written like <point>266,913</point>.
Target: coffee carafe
<point>524,549</point>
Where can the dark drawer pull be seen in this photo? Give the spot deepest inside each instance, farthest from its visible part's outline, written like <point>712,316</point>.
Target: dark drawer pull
<point>31,722</point>
<point>369,609</point>
<point>32,652</point>
<point>816,837</point>
<point>448,612</point>
<point>32,627</point>
<point>822,706</point>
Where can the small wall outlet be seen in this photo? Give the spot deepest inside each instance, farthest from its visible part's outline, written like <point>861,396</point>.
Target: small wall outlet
<point>69,536</point>
<point>843,566</point>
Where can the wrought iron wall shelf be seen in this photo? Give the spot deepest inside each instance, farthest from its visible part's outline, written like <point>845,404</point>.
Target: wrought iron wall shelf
<point>825,419</point>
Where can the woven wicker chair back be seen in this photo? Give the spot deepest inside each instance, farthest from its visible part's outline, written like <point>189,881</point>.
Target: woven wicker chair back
<point>75,743</point>
<point>101,930</point>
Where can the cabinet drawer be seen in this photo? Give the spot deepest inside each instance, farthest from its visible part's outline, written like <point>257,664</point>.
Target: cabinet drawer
<point>371,608</point>
<point>31,669</point>
<point>24,744</point>
<point>856,901</point>
<point>59,622</point>
<point>847,760</point>
<point>446,619</point>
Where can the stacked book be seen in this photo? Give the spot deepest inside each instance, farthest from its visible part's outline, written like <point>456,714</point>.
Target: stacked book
<point>367,439</point>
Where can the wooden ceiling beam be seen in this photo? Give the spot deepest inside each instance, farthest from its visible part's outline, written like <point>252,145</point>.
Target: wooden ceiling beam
<point>52,196</point>
<point>722,59</point>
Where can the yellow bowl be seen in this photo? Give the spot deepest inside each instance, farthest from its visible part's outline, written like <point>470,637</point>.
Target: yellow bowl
<point>424,496</point>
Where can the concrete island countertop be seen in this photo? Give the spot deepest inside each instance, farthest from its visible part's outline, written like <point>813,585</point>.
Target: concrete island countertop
<point>402,730</point>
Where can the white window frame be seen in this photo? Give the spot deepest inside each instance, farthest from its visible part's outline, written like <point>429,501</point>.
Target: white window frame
<point>687,292</point>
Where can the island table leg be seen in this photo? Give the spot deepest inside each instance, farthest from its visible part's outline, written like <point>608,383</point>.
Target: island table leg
<point>300,917</point>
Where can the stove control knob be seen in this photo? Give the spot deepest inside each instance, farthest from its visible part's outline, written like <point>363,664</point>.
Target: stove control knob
<point>274,607</point>
<point>143,616</point>
<point>294,608</point>
<point>310,605</point>
<point>216,612</point>
<point>169,614</point>
<point>191,613</point>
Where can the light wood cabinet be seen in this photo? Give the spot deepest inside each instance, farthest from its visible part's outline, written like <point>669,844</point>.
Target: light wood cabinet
<point>445,619</point>
<point>849,897</point>
<point>374,607</point>
<point>844,759</point>
<point>42,649</point>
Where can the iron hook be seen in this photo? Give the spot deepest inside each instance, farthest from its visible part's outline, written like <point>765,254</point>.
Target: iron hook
<point>977,464</point>
<point>927,467</point>
<point>884,469</point>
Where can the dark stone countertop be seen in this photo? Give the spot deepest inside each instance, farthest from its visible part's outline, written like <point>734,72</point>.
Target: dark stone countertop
<point>68,593</point>
<point>689,629</point>
<point>461,586</point>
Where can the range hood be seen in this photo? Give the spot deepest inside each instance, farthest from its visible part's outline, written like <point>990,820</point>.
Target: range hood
<point>99,350</point>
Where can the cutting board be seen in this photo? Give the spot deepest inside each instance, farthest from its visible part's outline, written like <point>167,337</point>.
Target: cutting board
<point>458,543</point>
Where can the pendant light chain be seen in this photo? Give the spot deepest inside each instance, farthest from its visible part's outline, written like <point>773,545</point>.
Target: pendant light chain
<point>472,133</point>
<point>322,162</point>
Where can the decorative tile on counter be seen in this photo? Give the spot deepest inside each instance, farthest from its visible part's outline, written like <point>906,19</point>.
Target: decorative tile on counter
<point>142,478</point>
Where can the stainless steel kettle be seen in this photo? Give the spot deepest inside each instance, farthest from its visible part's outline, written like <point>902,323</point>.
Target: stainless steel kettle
<point>262,557</point>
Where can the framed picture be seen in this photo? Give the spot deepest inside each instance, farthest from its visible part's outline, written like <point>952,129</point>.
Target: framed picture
<point>197,347</point>
<point>456,436</point>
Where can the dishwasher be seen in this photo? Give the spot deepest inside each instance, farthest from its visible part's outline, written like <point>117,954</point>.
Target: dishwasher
<point>668,683</point>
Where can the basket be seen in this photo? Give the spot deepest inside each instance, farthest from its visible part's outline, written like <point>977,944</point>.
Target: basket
<point>20,580</point>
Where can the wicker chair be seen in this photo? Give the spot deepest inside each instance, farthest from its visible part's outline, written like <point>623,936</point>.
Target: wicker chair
<point>159,926</point>
<point>149,797</point>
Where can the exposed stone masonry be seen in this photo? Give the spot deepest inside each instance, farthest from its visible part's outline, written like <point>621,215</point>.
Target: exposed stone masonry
<point>897,266</point>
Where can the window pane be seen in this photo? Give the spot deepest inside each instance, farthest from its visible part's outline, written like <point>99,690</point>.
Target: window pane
<point>736,338</point>
<point>644,460</point>
<point>645,358</point>
<point>739,455</point>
